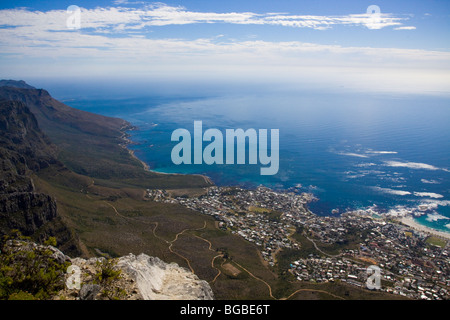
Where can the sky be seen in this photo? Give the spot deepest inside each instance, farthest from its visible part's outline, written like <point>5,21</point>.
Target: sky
<point>398,46</point>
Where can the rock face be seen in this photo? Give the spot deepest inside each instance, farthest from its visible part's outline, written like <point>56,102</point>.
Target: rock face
<point>19,245</point>
<point>26,211</point>
<point>142,277</point>
<point>158,280</point>
<point>24,149</point>
<point>90,291</point>
<point>21,135</point>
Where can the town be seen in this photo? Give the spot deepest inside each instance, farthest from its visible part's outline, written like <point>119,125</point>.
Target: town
<point>412,263</point>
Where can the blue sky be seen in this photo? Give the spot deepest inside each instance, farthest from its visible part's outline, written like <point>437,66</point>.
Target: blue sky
<point>403,48</point>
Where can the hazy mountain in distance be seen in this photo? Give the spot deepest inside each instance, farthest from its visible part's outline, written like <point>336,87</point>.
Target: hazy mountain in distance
<point>15,84</point>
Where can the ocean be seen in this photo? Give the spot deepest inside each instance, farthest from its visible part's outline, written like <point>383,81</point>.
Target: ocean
<point>388,153</point>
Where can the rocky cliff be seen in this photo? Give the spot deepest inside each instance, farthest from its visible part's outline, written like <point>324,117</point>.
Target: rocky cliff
<point>158,280</point>
<point>24,150</point>
<point>141,277</point>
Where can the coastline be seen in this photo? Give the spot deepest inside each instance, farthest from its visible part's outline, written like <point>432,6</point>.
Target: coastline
<point>406,220</point>
<point>409,221</point>
<point>127,141</point>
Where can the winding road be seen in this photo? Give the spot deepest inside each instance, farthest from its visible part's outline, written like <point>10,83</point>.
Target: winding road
<point>210,247</point>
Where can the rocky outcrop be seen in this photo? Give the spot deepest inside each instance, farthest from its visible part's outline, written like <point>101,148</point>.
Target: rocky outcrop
<point>26,211</point>
<point>142,277</point>
<point>93,286</point>
<point>157,280</point>
<point>26,246</point>
<point>130,277</point>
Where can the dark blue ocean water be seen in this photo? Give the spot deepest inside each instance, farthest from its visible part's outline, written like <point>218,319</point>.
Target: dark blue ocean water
<point>352,151</point>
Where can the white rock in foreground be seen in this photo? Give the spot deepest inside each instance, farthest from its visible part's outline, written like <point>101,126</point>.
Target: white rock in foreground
<point>158,280</point>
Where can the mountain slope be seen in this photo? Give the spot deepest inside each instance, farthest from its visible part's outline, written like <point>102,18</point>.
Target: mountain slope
<point>93,145</point>
<point>15,84</point>
<point>24,149</point>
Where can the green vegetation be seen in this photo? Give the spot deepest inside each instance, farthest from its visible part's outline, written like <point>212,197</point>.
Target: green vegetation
<point>306,246</point>
<point>272,215</point>
<point>107,276</point>
<point>106,271</point>
<point>28,272</point>
<point>51,241</point>
<point>350,241</point>
<point>435,241</point>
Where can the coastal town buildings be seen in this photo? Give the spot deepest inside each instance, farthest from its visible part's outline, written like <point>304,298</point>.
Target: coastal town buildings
<point>344,246</point>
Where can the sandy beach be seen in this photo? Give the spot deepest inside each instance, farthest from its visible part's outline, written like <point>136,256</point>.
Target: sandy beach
<point>409,221</point>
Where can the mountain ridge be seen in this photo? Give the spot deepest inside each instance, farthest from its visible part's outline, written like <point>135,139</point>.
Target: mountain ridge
<point>25,150</point>
<point>93,145</point>
<point>15,84</point>
<point>28,158</point>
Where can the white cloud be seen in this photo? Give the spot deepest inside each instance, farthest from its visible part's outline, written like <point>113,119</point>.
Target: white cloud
<point>160,14</point>
<point>405,28</point>
<point>326,22</point>
<point>122,39</point>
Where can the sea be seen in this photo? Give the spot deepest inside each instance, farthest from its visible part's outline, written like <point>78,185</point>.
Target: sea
<point>380,153</point>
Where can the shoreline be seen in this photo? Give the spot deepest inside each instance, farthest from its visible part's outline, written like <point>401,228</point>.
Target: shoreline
<point>146,167</point>
<point>409,221</point>
<point>406,220</point>
<point>127,141</point>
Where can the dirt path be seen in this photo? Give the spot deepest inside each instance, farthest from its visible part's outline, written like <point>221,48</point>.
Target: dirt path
<point>212,266</point>
<point>311,290</point>
<point>212,261</point>
<point>318,249</point>
<point>117,212</point>
<point>252,275</point>
<point>177,236</point>
<point>170,243</point>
